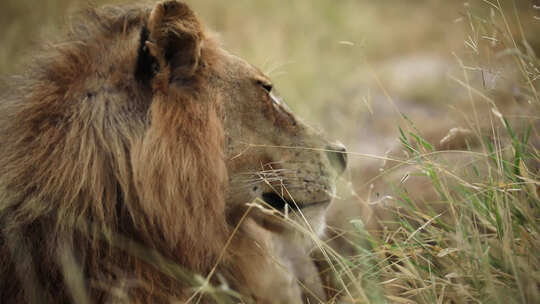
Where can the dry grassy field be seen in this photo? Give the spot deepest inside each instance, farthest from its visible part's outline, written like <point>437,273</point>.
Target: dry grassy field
<point>438,103</point>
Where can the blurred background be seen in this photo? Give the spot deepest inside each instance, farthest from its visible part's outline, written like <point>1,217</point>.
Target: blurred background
<point>445,71</point>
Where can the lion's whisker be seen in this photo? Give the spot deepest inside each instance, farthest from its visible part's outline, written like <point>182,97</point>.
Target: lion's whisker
<point>266,171</point>
<point>248,184</point>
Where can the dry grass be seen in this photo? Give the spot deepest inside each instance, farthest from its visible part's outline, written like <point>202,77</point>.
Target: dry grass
<point>391,80</point>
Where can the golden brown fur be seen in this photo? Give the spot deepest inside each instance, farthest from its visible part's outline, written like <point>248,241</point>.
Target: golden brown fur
<point>122,157</point>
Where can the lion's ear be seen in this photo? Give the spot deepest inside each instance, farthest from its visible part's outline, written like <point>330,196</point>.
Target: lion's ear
<point>175,38</point>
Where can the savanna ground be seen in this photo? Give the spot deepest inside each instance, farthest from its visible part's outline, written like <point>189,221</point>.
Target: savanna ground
<point>438,104</point>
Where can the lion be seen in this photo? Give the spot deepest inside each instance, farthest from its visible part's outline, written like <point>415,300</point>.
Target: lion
<point>137,152</point>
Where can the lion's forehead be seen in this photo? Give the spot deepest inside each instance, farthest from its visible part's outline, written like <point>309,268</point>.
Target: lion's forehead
<point>231,68</point>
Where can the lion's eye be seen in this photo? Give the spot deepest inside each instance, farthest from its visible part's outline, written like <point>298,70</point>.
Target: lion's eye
<point>268,87</point>
<point>265,85</point>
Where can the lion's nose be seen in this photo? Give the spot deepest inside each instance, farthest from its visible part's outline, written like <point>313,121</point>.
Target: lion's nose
<point>337,154</point>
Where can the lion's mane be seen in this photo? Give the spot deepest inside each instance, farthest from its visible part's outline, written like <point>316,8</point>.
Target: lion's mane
<point>98,186</point>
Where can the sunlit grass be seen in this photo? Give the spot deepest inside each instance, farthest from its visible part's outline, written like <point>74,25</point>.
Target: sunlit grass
<point>469,231</point>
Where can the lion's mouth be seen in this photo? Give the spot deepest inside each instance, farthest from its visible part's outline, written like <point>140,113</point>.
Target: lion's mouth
<point>280,203</point>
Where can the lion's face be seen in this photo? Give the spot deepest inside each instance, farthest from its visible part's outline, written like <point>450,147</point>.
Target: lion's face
<point>270,154</point>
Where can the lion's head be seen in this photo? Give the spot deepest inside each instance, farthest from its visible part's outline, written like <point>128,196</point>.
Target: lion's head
<point>139,137</point>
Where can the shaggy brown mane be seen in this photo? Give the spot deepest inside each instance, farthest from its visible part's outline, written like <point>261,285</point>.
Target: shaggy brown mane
<point>87,162</point>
